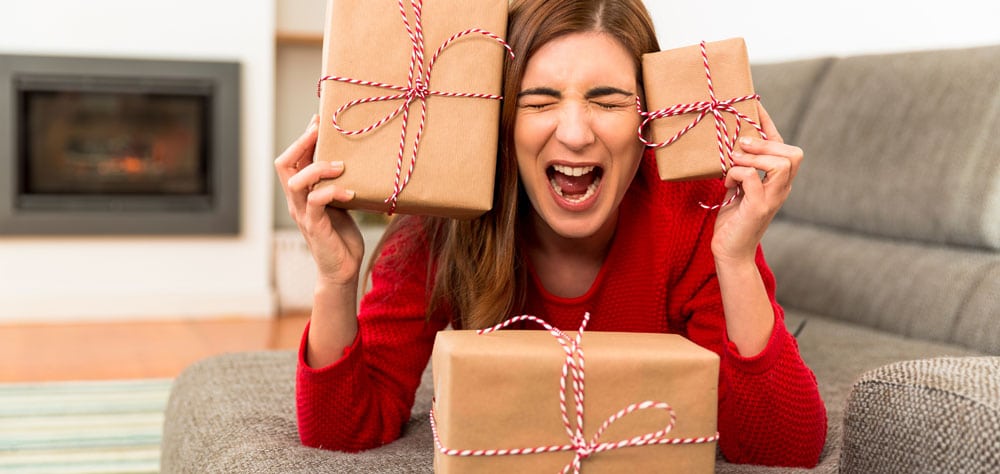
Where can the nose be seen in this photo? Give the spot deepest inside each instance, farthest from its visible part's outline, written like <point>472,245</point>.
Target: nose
<point>575,129</point>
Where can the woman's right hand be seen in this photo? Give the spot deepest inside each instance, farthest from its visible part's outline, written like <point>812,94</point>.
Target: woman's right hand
<point>331,233</point>
<point>334,241</point>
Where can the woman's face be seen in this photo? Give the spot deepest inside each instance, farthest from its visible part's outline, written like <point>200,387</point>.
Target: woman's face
<point>575,132</point>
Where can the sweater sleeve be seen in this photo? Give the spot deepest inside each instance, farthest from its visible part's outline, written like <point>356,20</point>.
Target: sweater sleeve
<point>770,411</point>
<point>363,400</point>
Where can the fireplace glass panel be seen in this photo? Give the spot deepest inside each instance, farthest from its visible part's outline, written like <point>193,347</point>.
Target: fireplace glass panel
<point>122,143</point>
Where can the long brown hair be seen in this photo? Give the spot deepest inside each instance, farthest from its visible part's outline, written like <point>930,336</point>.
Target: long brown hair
<point>476,270</point>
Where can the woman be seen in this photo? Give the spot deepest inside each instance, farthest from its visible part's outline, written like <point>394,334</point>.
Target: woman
<point>580,223</point>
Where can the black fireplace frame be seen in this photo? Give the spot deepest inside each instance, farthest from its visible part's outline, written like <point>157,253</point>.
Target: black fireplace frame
<point>216,212</point>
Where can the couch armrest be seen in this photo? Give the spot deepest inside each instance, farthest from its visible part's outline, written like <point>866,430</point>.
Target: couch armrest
<point>932,415</point>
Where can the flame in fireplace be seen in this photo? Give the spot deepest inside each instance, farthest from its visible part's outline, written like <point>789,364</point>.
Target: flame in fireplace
<point>132,165</point>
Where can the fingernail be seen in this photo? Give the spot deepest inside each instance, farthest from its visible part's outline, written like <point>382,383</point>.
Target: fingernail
<point>337,165</point>
<point>746,140</point>
<point>737,154</point>
<point>350,194</point>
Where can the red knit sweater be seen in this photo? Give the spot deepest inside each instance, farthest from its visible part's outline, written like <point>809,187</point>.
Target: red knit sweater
<point>658,277</point>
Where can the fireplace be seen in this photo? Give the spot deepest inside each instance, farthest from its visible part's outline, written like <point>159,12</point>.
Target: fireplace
<point>118,146</point>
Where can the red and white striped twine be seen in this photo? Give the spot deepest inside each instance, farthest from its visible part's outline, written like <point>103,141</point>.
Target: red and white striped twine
<point>417,89</point>
<point>703,108</point>
<point>573,368</point>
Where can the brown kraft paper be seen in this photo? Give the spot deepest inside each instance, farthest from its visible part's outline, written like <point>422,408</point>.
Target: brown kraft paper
<point>501,391</point>
<point>367,40</point>
<point>677,76</point>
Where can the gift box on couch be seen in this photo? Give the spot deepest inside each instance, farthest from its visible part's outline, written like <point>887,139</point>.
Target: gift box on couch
<point>497,403</point>
<point>416,101</point>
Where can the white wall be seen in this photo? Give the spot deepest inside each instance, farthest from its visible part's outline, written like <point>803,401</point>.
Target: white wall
<point>301,16</point>
<point>778,30</point>
<point>113,277</point>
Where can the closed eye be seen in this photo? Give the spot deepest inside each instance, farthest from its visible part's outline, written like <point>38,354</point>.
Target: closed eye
<point>534,105</point>
<point>538,98</point>
<point>610,98</point>
<point>610,105</point>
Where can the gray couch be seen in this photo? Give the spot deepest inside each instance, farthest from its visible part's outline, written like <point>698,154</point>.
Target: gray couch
<point>888,252</point>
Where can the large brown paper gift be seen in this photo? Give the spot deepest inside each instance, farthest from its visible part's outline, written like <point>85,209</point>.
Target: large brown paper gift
<point>501,391</point>
<point>367,40</point>
<point>677,76</point>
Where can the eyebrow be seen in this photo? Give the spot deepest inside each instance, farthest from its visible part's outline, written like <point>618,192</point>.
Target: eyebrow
<point>599,91</point>
<point>605,91</point>
<point>546,91</point>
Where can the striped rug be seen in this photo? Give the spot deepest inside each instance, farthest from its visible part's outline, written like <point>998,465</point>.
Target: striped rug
<point>82,427</point>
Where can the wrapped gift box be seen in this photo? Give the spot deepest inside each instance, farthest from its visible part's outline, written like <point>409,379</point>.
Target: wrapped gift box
<point>501,391</point>
<point>677,76</point>
<point>367,40</point>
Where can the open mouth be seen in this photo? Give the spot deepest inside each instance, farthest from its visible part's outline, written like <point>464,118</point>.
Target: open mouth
<point>575,184</point>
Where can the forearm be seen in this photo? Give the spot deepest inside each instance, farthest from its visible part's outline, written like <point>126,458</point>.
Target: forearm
<point>748,310</point>
<point>349,405</point>
<point>771,412</point>
<point>333,325</point>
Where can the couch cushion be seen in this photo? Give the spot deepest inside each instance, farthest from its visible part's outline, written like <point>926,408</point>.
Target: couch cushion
<point>905,146</point>
<point>786,89</point>
<point>838,353</point>
<point>936,415</point>
<point>236,413</point>
<point>925,291</point>
<point>979,322</point>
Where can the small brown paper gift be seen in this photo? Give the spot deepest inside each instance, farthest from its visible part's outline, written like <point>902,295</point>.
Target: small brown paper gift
<point>500,391</point>
<point>677,77</point>
<point>366,42</point>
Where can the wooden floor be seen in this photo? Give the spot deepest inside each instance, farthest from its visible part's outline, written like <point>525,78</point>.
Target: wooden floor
<point>122,350</point>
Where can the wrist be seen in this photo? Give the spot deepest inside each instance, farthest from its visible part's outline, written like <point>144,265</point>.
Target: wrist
<point>333,324</point>
<point>742,264</point>
<point>332,285</point>
<point>336,293</point>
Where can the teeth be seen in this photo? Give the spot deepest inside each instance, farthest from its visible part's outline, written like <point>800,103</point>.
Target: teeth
<point>591,189</point>
<point>573,170</point>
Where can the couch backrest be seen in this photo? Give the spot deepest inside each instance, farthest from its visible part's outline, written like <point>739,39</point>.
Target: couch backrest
<point>786,90</point>
<point>894,219</point>
<point>905,146</point>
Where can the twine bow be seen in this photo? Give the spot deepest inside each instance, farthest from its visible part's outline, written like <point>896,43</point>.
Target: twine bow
<point>573,368</point>
<point>717,108</point>
<point>416,90</point>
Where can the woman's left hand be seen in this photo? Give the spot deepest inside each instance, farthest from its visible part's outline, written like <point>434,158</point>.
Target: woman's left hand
<point>741,224</point>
